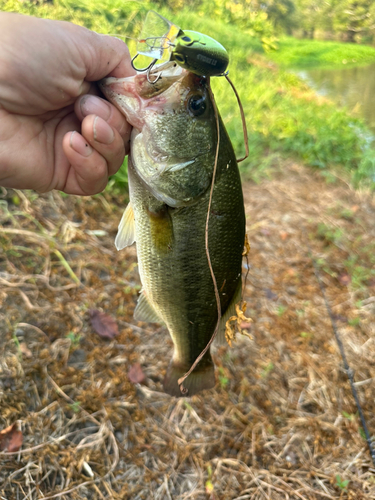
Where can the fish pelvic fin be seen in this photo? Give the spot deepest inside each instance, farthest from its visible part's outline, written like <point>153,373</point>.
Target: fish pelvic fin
<point>203,377</point>
<point>126,229</point>
<point>230,311</point>
<point>144,311</point>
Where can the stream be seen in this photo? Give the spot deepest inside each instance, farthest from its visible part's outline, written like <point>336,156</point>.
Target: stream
<point>352,87</point>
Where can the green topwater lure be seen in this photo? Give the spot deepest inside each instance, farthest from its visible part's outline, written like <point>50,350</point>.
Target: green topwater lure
<point>164,41</point>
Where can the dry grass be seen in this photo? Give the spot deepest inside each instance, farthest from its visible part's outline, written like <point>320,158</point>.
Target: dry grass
<point>281,422</point>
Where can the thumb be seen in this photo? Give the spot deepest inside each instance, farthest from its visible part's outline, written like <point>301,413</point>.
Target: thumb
<point>103,55</point>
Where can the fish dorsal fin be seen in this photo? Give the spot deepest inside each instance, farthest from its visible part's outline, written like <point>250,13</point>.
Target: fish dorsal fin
<point>144,310</point>
<point>126,229</point>
<point>230,311</point>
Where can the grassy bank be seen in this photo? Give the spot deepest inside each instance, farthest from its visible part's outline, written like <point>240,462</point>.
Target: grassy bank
<point>285,118</point>
<point>304,53</point>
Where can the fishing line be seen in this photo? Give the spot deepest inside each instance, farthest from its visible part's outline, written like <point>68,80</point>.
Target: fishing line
<point>349,371</point>
<point>244,126</point>
<point>180,381</point>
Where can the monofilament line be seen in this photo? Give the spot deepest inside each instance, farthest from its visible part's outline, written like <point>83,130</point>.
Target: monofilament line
<point>244,126</point>
<point>180,381</point>
<point>347,368</point>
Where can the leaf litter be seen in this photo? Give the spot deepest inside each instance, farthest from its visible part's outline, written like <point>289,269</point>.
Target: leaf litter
<point>103,324</point>
<point>281,422</point>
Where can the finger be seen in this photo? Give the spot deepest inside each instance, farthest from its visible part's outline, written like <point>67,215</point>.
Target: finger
<point>88,173</point>
<point>106,140</point>
<point>93,105</point>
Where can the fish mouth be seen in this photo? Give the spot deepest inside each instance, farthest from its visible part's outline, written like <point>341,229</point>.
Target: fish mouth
<point>122,93</point>
<point>132,95</point>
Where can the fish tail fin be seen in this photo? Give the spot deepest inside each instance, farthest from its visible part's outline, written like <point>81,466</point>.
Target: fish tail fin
<point>202,377</point>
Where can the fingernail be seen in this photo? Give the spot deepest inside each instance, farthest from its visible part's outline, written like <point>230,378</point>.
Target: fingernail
<point>102,131</point>
<point>91,105</point>
<point>79,145</point>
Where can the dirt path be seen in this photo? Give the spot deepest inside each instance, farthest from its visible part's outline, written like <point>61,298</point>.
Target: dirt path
<point>281,422</point>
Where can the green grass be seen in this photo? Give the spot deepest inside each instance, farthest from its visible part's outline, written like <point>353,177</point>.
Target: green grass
<point>284,116</point>
<point>304,53</point>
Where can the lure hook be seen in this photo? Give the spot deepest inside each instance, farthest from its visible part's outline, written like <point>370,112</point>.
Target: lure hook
<point>148,69</point>
<point>143,69</point>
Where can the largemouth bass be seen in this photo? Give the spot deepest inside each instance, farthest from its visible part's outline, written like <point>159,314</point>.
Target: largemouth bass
<point>170,169</point>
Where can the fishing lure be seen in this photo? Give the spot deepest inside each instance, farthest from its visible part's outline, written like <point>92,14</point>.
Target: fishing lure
<point>165,41</point>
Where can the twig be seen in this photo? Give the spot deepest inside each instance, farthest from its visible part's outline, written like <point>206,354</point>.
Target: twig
<point>349,371</point>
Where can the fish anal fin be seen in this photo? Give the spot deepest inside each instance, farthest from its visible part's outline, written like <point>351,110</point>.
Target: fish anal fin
<point>144,310</point>
<point>126,229</point>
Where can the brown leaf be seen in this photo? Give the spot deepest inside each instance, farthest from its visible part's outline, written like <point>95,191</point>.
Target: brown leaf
<point>245,325</point>
<point>135,374</point>
<point>103,324</point>
<point>11,438</point>
<point>344,279</point>
<point>283,235</point>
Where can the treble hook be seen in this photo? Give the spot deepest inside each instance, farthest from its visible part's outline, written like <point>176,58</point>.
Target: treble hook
<point>148,69</point>
<point>144,69</point>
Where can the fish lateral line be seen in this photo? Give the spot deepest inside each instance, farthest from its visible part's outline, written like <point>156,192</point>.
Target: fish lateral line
<point>180,381</point>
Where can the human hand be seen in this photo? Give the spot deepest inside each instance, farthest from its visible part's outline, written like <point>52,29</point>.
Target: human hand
<point>55,132</point>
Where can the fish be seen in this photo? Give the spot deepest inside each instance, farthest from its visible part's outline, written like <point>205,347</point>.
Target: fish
<point>170,171</point>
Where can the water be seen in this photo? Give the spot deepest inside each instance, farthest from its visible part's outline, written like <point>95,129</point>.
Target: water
<point>350,87</point>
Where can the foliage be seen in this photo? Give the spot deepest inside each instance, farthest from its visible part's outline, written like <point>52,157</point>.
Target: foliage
<point>284,116</point>
<point>247,15</point>
<point>281,13</point>
<point>340,483</point>
<point>346,20</point>
<point>303,53</point>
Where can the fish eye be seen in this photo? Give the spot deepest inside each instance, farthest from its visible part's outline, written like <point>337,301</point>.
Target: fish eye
<point>186,39</point>
<point>197,105</point>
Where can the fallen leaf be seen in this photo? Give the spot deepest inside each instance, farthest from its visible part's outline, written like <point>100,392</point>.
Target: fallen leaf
<point>135,374</point>
<point>344,279</point>
<point>245,325</point>
<point>270,294</point>
<point>340,317</point>
<point>103,324</point>
<point>11,438</point>
<point>284,235</point>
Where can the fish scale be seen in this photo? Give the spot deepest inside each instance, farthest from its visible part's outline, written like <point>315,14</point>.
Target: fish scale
<point>173,266</point>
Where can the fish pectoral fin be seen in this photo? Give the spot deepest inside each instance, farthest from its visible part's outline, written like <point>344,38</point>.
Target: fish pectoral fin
<point>144,310</point>
<point>126,229</point>
<point>161,228</point>
<point>230,311</point>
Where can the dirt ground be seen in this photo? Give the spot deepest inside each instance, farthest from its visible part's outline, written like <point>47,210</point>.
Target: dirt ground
<point>281,422</point>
